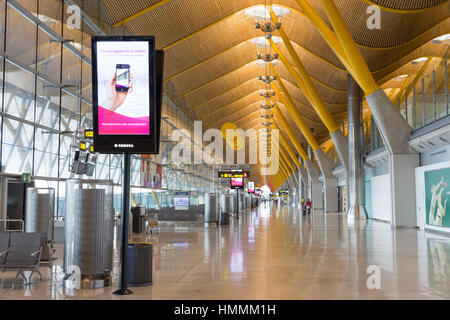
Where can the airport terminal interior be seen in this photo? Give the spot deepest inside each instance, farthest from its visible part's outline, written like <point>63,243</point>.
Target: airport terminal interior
<point>303,151</point>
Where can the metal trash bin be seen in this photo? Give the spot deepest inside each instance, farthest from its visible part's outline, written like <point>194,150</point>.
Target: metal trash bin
<point>138,214</point>
<point>140,264</point>
<point>225,218</point>
<point>210,210</point>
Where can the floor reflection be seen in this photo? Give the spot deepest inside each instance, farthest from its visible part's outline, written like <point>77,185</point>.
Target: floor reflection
<point>274,252</point>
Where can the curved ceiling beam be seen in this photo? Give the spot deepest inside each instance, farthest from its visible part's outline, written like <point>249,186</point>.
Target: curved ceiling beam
<point>241,10</point>
<point>371,3</point>
<point>415,53</point>
<point>335,89</point>
<point>297,102</point>
<point>314,122</point>
<point>404,44</point>
<point>218,78</point>
<point>221,94</point>
<point>195,107</point>
<point>228,73</point>
<point>242,42</point>
<point>140,13</point>
<point>391,76</point>
<point>253,62</point>
<point>373,72</point>
<point>231,117</point>
<point>204,116</point>
<point>311,123</point>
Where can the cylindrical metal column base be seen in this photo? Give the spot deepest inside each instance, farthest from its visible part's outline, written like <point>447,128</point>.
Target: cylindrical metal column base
<point>357,212</point>
<point>210,225</point>
<point>91,282</point>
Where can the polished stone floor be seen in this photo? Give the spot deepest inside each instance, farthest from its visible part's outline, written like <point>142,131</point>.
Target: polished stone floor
<point>275,253</point>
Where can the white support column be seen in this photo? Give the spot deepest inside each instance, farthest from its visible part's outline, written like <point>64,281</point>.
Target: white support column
<point>315,186</point>
<point>330,182</point>
<point>303,177</point>
<point>395,133</point>
<point>403,189</point>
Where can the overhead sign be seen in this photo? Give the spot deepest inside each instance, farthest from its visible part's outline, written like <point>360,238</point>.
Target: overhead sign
<point>88,134</point>
<point>234,174</point>
<point>124,94</point>
<point>26,177</point>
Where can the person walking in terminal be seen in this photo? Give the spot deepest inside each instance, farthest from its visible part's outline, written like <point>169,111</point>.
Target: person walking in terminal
<point>307,207</point>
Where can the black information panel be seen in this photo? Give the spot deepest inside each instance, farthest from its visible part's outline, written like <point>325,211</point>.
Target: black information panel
<point>126,111</point>
<point>159,95</point>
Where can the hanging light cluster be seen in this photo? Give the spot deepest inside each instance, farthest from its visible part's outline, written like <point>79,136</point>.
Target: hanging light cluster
<point>264,56</point>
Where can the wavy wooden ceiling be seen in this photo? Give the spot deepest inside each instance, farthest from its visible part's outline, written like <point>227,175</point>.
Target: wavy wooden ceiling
<point>212,64</point>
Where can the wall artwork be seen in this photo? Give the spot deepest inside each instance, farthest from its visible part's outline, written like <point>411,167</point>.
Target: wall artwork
<point>437,191</point>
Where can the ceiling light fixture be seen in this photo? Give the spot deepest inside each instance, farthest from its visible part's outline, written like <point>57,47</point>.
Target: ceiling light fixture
<point>263,63</point>
<point>442,39</point>
<point>267,79</point>
<point>261,42</point>
<point>417,61</point>
<point>267,93</point>
<point>267,106</point>
<point>260,12</point>
<point>400,77</point>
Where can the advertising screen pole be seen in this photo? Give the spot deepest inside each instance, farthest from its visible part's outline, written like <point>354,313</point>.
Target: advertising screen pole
<point>237,203</point>
<point>127,84</point>
<point>123,275</point>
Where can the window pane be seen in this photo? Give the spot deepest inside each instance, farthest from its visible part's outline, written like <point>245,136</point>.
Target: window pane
<point>20,38</point>
<point>102,167</point>
<point>71,71</point>
<point>19,92</point>
<point>2,23</point>
<point>17,152</point>
<point>50,14</point>
<point>70,109</point>
<point>86,116</point>
<point>49,56</point>
<point>64,156</point>
<point>46,153</point>
<point>47,104</point>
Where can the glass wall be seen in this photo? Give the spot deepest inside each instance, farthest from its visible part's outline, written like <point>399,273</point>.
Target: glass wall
<point>421,99</point>
<point>46,96</point>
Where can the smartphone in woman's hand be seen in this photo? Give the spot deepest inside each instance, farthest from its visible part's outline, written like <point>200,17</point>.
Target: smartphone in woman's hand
<point>122,77</point>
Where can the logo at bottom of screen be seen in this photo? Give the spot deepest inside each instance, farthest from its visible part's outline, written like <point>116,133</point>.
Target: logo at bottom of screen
<point>124,146</point>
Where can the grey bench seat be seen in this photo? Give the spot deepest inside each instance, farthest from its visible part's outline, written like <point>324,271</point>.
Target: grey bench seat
<point>21,252</point>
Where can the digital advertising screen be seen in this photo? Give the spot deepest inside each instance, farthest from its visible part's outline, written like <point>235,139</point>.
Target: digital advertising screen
<point>181,201</point>
<point>251,187</point>
<point>124,94</point>
<point>237,183</point>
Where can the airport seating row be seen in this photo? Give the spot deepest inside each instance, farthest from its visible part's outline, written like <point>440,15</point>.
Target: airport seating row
<point>21,252</point>
<point>170,214</point>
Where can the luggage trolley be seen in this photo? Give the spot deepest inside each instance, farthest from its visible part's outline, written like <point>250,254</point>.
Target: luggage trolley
<point>152,222</point>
